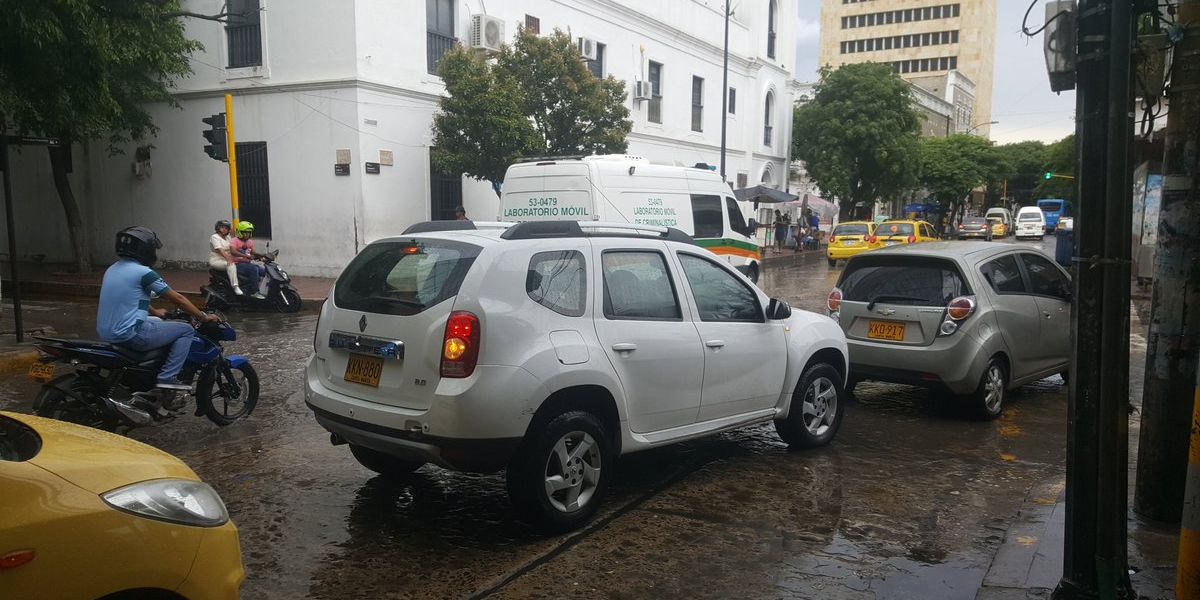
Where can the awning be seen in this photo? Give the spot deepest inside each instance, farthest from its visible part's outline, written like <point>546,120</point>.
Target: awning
<point>763,195</point>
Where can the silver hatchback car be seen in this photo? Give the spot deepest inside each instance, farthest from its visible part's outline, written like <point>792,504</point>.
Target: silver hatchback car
<point>969,318</point>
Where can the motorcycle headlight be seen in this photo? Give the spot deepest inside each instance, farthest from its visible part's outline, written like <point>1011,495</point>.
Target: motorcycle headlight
<point>173,500</point>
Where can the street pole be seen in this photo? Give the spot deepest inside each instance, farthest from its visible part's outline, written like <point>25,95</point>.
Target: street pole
<point>12,238</point>
<point>1187,572</point>
<point>1095,558</point>
<point>725,93</point>
<point>231,150</point>
<point>1173,342</point>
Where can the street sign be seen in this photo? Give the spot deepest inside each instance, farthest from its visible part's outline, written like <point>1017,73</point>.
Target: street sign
<point>372,168</point>
<point>31,140</point>
<point>341,170</point>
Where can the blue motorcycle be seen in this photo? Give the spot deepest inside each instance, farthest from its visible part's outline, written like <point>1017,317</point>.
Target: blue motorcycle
<point>112,388</point>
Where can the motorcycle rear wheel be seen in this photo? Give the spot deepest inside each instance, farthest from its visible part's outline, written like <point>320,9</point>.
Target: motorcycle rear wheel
<point>53,403</point>
<point>247,381</point>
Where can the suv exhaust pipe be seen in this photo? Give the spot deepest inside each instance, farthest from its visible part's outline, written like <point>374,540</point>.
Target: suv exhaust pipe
<point>337,440</point>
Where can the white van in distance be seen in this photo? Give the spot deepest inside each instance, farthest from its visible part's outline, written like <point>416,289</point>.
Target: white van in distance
<point>629,189</point>
<point>1031,223</point>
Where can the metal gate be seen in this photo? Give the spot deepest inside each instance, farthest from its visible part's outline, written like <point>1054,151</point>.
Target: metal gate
<point>445,194</point>
<point>254,187</point>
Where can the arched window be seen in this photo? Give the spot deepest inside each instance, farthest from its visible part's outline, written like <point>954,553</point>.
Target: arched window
<point>768,118</point>
<point>771,10</point>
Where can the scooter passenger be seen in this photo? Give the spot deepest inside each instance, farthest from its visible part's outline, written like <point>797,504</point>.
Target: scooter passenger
<point>244,256</point>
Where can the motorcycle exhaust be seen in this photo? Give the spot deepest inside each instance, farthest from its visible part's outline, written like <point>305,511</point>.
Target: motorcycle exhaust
<point>130,413</point>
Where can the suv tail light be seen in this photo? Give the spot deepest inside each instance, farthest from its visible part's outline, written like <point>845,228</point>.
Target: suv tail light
<point>460,345</point>
<point>912,239</point>
<point>834,303</point>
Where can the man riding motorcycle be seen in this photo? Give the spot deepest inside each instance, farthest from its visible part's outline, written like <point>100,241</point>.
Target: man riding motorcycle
<point>124,316</point>
<point>242,248</point>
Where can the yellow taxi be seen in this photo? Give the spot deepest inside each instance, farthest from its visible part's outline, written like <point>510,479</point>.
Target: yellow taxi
<point>999,229</point>
<point>850,238</point>
<point>893,233</point>
<point>85,514</point>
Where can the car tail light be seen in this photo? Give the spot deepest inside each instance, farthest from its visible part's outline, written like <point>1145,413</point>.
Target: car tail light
<point>460,345</point>
<point>912,239</point>
<point>871,239</point>
<point>16,559</point>
<point>834,303</point>
<point>960,308</point>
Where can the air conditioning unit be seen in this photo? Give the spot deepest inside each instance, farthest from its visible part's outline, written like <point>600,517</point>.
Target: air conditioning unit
<point>642,90</point>
<point>487,32</point>
<point>587,48</point>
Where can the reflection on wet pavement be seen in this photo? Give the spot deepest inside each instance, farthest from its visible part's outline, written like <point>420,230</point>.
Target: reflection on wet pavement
<point>910,501</point>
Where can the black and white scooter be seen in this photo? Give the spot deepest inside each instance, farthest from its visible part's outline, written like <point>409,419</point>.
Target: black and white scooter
<point>275,287</point>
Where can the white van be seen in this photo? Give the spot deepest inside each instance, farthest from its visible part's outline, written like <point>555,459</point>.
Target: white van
<point>622,188</point>
<point>1031,223</point>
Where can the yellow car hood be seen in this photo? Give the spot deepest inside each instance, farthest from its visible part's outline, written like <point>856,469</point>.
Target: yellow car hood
<point>96,460</point>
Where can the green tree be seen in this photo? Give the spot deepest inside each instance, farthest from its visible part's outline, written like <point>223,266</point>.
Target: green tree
<point>953,166</point>
<point>536,98</point>
<point>1019,169</point>
<point>859,135</point>
<point>84,70</point>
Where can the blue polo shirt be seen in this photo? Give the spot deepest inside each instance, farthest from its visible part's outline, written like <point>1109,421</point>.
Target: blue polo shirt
<point>125,299</point>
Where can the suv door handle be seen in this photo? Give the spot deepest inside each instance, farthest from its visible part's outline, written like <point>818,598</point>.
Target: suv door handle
<point>624,347</point>
<point>715,343</point>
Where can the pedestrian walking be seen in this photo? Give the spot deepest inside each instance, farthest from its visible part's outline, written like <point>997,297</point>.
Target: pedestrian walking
<point>781,231</point>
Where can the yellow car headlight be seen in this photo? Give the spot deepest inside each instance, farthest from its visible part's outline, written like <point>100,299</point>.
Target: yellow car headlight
<point>173,500</point>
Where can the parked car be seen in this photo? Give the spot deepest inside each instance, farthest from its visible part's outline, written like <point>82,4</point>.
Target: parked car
<point>895,233</point>
<point>1005,217</point>
<point>1031,223</point>
<point>851,238</point>
<point>969,319</point>
<point>551,348</point>
<point>90,514</point>
<point>976,228</point>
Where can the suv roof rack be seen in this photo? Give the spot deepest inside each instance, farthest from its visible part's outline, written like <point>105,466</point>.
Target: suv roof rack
<point>563,229</point>
<point>435,226</point>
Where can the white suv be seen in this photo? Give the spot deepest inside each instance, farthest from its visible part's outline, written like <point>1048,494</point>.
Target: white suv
<point>551,348</point>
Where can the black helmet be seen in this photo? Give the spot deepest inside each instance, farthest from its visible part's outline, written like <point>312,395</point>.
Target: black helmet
<point>138,243</point>
<point>223,223</point>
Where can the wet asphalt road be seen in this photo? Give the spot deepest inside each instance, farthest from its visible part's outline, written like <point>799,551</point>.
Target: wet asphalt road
<point>909,501</point>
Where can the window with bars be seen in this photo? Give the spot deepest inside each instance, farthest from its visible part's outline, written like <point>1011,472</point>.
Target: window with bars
<point>697,103</point>
<point>243,34</point>
<point>768,118</point>
<point>654,106</point>
<point>533,25</point>
<point>439,31</point>
<point>732,101</point>
<point>597,66</point>
<point>254,186</point>
<point>943,11</point>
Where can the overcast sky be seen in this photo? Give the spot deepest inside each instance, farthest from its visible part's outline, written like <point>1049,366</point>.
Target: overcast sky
<point>1021,100</point>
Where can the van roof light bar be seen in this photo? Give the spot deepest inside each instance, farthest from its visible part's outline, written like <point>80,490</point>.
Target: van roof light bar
<point>529,159</point>
<point>564,229</point>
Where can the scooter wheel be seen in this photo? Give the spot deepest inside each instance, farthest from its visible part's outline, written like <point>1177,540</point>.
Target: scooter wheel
<point>287,301</point>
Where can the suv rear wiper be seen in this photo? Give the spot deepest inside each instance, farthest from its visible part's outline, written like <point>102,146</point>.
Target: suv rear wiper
<point>890,297</point>
<point>402,301</point>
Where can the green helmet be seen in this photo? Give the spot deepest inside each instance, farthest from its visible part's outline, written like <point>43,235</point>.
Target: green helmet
<point>245,228</point>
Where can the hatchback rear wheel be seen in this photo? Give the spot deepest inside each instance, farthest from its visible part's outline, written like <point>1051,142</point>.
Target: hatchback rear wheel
<point>992,391</point>
<point>558,478</point>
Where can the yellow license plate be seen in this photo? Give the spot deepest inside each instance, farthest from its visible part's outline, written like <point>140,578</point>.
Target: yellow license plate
<point>41,371</point>
<point>886,330</point>
<point>364,369</point>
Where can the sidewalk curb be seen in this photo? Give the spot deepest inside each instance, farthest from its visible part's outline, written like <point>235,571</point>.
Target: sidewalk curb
<point>56,290</point>
<point>17,361</point>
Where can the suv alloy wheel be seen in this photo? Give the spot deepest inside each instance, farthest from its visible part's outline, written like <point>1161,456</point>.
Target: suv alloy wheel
<point>818,405</point>
<point>558,478</point>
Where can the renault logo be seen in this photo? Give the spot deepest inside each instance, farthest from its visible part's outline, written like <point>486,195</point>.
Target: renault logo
<point>362,323</point>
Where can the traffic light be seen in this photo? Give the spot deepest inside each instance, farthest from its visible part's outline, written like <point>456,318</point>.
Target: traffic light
<point>215,135</point>
<point>1048,176</point>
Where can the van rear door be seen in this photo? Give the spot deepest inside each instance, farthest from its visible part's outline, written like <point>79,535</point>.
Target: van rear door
<point>548,192</point>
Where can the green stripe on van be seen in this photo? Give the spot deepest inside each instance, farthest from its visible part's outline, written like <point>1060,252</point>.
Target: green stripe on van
<point>714,242</point>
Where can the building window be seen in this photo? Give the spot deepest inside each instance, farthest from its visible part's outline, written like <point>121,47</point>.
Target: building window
<point>439,31</point>
<point>768,118</point>
<point>533,25</point>
<point>697,103</point>
<point>244,34</point>
<point>654,111</point>
<point>254,186</point>
<point>771,18</point>
<point>597,66</point>
<point>732,101</point>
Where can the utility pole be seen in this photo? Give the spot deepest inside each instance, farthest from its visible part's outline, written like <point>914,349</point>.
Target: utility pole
<point>13,275</point>
<point>1095,556</point>
<point>231,144</point>
<point>1173,343</point>
<point>725,92</point>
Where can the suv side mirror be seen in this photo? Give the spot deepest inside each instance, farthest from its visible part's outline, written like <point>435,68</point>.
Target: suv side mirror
<point>778,310</point>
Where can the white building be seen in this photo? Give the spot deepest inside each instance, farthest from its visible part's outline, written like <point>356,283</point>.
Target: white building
<point>312,77</point>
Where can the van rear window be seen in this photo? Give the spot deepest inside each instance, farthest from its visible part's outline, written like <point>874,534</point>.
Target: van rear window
<point>908,281</point>
<point>404,278</point>
<point>1029,216</point>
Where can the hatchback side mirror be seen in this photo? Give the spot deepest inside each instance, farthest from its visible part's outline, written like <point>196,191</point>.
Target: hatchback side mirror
<point>778,310</point>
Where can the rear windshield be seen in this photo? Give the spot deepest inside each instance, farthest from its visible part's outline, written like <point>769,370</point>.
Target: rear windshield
<point>887,229</point>
<point>404,278</point>
<point>1050,206</point>
<point>855,229</point>
<point>975,221</point>
<point>910,281</point>
<point>1029,216</point>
